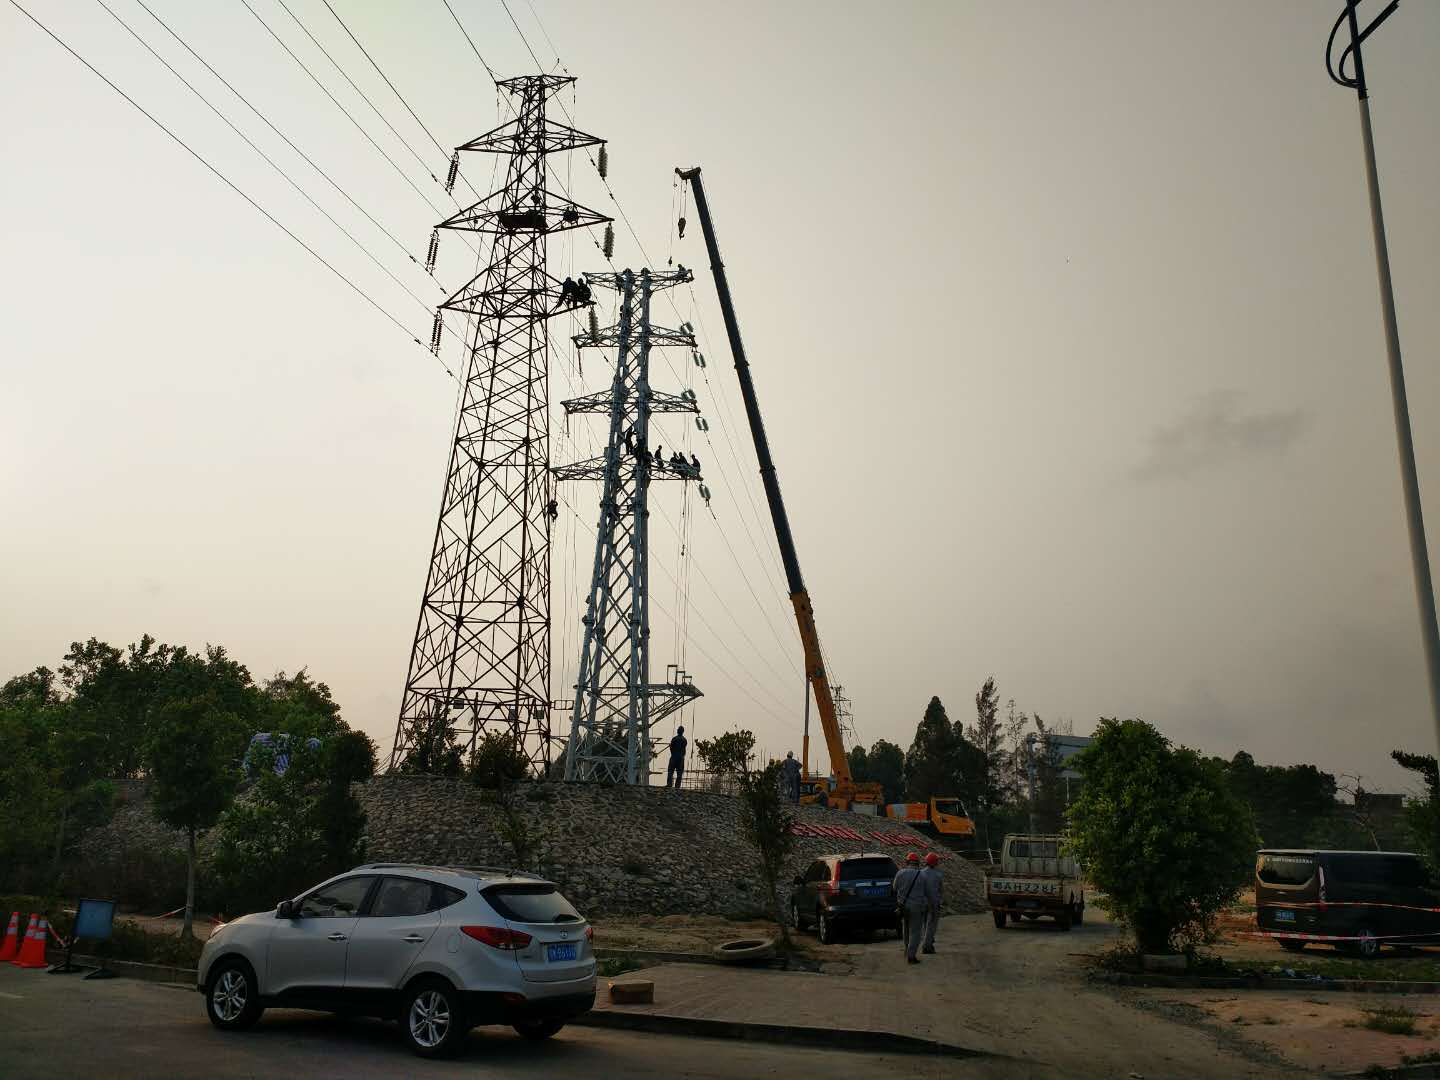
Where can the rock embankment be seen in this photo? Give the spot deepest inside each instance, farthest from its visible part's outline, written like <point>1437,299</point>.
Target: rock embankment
<point>613,850</point>
<point>623,850</point>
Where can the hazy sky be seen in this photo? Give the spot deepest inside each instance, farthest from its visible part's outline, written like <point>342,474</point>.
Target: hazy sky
<point>1063,318</point>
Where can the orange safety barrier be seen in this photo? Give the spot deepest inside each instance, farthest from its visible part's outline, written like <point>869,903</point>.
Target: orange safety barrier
<point>11,948</point>
<point>32,953</point>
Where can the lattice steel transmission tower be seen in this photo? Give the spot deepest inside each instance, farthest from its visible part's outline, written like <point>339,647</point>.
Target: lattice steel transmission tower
<point>481,658</point>
<point>616,704</point>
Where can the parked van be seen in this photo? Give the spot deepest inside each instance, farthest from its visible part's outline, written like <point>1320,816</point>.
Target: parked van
<point>1353,900</point>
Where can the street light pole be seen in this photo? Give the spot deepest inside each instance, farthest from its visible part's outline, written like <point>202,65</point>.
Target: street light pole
<point>1419,555</point>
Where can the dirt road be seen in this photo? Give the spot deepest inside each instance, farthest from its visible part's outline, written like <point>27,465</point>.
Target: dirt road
<point>1022,993</point>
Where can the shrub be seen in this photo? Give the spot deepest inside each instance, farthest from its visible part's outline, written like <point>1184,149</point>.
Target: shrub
<point>1391,1019</point>
<point>1160,832</point>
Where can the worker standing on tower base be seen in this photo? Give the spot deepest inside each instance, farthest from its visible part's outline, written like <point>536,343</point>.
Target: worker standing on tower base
<point>676,768</point>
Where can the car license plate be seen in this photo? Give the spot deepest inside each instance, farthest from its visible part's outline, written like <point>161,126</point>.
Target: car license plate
<point>875,890</point>
<point>560,952</point>
<point>1285,916</point>
<point>1027,903</point>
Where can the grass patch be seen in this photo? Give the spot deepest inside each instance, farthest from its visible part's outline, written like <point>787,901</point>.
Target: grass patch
<point>1391,1019</point>
<point>614,965</point>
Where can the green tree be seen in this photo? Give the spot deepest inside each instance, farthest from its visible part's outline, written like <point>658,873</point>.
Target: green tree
<point>765,818</point>
<point>295,828</point>
<point>931,762</point>
<point>1160,832</point>
<point>1422,815</point>
<point>193,757</point>
<point>987,737</point>
<point>883,765</point>
<point>1290,803</point>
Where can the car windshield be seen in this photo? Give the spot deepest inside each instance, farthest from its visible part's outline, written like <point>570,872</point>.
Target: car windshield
<point>949,807</point>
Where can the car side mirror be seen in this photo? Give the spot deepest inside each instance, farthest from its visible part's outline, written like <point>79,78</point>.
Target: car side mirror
<point>285,909</point>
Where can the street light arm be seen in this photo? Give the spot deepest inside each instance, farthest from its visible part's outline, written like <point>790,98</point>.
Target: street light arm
<point>1337,70</point>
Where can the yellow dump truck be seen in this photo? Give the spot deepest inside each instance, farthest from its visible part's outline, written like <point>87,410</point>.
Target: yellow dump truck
<point>943,817</point>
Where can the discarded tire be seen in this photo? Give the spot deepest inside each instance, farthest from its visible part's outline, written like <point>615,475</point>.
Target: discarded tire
<point>632,992</point>
<point>745,951</point>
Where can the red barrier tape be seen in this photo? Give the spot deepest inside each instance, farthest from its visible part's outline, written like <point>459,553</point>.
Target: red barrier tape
<point>1296,935</point>
<point>1322,904</point>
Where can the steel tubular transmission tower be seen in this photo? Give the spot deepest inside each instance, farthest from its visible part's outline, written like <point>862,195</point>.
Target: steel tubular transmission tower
<point>616,704</point>
<point>481,658</point>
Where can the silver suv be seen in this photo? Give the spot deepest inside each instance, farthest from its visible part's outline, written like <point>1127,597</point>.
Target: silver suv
<point>441,950</point>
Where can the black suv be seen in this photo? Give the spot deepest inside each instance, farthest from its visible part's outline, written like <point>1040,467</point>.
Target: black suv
<point>845,892</point>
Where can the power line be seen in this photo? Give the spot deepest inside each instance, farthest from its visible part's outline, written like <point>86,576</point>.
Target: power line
<point>218,174</point>
<point>391,85</point>
<point>363,96</point>
<point>488,69</point>
<point>538,66</point>
<point>325,90</point>
<point>268,160</point>
<point>395,240</point>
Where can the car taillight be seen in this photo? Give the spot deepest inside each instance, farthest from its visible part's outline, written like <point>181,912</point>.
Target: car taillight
<point>589,933</point>
<point>496,938</point>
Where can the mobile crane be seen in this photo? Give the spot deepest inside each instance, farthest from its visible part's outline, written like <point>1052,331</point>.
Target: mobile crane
<point>842,792</point>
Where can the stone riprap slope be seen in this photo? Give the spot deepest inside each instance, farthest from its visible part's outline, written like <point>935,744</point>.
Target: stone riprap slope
<point>623,850</point>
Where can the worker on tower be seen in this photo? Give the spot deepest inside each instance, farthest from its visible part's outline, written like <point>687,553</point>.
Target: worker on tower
<point>677,758</point>
<point>790,769</point>
<point>660,458</point>
<point>695,464</point>
<point>933,883</point>
<point>910,906</point>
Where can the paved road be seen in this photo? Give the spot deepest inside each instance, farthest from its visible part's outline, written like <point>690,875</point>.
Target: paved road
<point>63,1026</point>
<point>1017,994</point>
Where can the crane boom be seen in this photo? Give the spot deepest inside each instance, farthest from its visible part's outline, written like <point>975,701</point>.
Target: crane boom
<point>799,598</point>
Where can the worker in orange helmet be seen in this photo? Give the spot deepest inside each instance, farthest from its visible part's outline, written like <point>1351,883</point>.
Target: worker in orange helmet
<point>910,906</point>
<point>932,883</point>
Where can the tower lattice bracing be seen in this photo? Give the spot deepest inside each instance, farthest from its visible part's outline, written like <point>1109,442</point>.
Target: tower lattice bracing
<point>481,658</point>
<point>616,704</point>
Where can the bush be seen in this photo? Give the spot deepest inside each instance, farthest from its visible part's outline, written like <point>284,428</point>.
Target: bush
<point>1391,1019</point>
<point>141,879</point>
<point>1160,832</point>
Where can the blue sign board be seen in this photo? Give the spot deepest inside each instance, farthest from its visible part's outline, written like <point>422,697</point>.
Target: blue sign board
<point>94,919</point>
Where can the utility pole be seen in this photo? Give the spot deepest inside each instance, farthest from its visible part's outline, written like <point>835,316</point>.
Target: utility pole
<point>481,657</point>
<point>616,704</point>
<point>1415,521</point>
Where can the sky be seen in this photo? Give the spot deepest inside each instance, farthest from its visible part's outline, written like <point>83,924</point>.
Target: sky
<point>1063,319</point>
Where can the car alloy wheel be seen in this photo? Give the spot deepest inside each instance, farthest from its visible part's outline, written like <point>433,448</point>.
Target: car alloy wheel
<point>429,1019</point>
<point>1367,944</point>
<point>229,995</point>
<point>795,915</point>
<point>824,930</point>
<point>231,999</point>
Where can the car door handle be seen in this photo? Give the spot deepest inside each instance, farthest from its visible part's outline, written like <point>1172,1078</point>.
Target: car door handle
<point>337,937</point>
<point>414,939</point>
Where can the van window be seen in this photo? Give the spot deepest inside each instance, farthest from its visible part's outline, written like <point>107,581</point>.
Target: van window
<point>1285,869</point>
<point>1402,871</point>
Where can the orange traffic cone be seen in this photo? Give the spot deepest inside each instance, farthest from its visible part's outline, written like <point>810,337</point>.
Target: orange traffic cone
<point>29,931</point>
<point>11,948</point>
<point>32,953</point>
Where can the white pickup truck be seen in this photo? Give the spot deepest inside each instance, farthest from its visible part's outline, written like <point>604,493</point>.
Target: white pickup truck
<point>1035,879</point>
